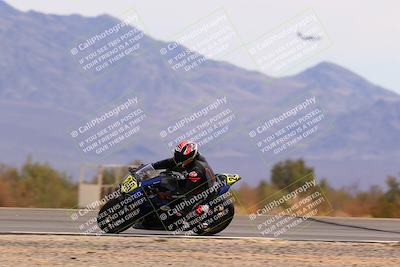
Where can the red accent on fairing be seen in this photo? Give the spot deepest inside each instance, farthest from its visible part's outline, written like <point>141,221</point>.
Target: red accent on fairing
<point>199,210</point>
<point>193,174</point>
<point>194,179</point>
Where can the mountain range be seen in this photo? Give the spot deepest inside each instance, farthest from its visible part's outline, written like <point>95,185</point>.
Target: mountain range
<point>44,94</point>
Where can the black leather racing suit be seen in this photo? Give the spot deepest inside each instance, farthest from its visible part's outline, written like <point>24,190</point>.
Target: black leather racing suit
<point>199,175</point>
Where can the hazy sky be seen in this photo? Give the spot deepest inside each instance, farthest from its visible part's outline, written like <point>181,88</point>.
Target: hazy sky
<point>365,34</point>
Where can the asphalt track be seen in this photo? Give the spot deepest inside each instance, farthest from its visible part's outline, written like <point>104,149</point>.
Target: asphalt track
<point>58,221</point>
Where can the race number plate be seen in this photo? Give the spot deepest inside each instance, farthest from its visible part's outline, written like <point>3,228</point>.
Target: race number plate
<point>129,184</point>
<point>232,178</point>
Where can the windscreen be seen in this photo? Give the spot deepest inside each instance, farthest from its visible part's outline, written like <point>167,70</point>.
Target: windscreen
<point>145,172</point>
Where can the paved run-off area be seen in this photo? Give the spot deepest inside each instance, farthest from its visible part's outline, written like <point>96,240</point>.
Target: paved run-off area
<point>25,220</point>
<point>51,250</point>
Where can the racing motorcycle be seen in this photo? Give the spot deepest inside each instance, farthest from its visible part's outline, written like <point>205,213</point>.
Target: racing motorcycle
<point>148,199</point>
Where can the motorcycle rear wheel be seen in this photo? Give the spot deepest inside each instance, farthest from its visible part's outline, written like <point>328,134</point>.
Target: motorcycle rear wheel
<point>219,226</point>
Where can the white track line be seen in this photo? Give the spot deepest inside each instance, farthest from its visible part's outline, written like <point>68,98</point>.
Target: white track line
<point>193,237</point>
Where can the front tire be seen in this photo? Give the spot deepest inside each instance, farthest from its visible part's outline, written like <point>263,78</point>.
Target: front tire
<point>111,219</point>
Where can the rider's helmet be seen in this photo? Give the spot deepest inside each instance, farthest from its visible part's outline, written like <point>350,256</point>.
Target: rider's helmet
<point>185,152</point>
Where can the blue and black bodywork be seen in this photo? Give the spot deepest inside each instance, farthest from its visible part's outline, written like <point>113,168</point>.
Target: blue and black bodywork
<point>149,201</point>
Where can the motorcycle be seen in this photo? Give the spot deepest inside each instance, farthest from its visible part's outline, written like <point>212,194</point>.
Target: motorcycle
<point>147,199</point>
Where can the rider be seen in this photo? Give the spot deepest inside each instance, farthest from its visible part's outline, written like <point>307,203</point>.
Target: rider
<point>197,173</point>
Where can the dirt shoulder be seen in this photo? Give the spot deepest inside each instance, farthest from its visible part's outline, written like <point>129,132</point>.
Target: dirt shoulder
<point>34,250</point>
